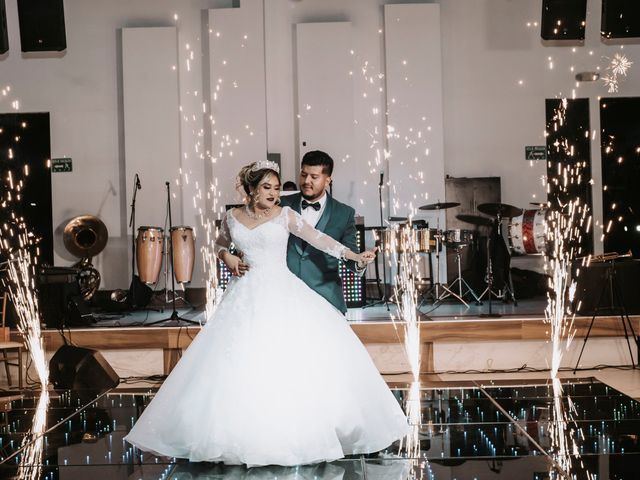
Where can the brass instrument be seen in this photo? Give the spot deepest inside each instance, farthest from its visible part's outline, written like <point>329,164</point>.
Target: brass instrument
<point>85,237</point>
<point>606,257</point>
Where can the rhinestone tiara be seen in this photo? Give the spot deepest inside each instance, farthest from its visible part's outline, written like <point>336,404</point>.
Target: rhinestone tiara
<point>260,164</point>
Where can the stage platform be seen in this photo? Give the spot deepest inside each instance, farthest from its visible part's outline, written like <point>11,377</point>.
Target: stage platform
<point>448,323</point>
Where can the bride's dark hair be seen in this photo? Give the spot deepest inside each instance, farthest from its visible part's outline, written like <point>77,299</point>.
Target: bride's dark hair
<point>249,177</point>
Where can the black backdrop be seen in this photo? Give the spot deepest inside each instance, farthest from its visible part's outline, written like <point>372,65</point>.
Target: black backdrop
<point>24,140</point>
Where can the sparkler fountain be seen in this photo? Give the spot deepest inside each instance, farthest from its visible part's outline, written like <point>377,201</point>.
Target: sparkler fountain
<point>568,220</point>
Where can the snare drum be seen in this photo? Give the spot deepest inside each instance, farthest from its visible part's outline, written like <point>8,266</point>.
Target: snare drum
<point>458,238</point>
<point>527,232</point>
<point>149,245</point>
<point>183,253</point>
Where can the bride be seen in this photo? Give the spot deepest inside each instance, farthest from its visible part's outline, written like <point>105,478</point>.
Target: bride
<point>276,376</point>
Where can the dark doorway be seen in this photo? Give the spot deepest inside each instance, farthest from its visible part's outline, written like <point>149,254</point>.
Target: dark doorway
<point>620,137</point>
<point>25,151</point>
<point>568,146</point>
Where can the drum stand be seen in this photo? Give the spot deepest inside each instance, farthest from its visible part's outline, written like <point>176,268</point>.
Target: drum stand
<point>489,283</point>
<point>460,279</point>
<point>508,283</point>
<point>174,314</point>
<point>446,291</point>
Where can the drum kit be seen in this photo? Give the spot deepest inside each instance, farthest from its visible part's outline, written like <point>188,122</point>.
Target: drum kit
<point>526,235</point>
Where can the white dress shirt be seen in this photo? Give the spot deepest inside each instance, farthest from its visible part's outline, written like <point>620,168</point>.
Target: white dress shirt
<point>310,214</point>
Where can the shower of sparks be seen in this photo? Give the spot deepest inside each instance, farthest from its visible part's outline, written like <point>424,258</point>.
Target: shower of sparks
<point>16,245</point>
<point>618,67</point>
<point>567,221</point>
<point>402,247</point>
<point>31,457</point>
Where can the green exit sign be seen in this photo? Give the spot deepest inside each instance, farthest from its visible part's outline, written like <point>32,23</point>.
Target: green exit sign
<point>61,165</point>
<point>535,152</point>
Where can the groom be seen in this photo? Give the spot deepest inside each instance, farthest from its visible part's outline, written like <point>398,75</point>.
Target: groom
<point>318,208</point>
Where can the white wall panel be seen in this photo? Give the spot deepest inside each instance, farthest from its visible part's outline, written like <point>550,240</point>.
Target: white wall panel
<point>238,104</point>
<point>415,142</point>
<point>325,99</point>
<point>414,103</point>
<point>151,120</point>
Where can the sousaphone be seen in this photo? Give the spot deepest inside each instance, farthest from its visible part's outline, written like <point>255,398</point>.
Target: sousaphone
<point>85,237</point>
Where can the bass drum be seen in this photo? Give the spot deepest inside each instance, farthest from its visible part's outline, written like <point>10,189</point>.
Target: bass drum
<point>527,232</point>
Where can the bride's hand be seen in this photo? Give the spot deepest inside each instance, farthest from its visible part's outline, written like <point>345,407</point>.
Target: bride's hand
<point>235,264</point>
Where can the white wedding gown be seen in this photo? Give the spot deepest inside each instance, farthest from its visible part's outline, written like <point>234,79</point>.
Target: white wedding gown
<point>276,376</point>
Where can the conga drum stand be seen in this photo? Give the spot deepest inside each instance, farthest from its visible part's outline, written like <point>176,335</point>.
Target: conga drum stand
<point>174,314</point>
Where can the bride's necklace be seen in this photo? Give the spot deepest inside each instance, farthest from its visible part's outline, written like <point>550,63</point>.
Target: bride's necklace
<point>257,216</point>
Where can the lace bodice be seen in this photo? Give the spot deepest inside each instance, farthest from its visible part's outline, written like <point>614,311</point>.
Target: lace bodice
<point>266,243</point>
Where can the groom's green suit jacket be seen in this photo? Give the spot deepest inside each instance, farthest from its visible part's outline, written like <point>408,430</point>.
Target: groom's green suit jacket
<point>314,267</point>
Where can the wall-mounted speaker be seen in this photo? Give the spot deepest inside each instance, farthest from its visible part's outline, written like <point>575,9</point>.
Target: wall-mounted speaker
<point>42,25</point>
<point>4,35</point>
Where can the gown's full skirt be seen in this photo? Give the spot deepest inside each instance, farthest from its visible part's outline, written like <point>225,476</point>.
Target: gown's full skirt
<point>276,376</point>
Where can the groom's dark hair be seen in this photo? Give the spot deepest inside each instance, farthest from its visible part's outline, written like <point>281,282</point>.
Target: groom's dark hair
<point>318,157</point>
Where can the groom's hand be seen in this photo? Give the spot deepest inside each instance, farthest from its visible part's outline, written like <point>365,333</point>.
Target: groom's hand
<point>235,264</point>
<point>367,257</point>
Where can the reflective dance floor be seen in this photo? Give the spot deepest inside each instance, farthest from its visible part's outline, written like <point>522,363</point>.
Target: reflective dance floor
<point>469,431</point>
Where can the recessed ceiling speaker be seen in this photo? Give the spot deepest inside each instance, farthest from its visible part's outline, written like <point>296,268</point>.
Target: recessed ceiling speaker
<point>42,25</point>
<point>563,19</point>
<point>4,35</point>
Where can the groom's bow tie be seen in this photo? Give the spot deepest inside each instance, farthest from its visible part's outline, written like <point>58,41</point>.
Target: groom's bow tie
<point>315,205</point>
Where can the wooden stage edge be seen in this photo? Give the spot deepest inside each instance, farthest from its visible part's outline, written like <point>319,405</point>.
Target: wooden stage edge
<point>173,339</point>
<point>451,331</point>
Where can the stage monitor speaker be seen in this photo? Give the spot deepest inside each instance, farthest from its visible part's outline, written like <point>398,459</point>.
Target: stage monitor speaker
<point>42,25</point>
<point>4,34</point>
<point>592,283</point>
<point>82,370</point>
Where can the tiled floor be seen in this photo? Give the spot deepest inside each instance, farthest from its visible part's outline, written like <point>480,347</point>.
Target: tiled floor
<point>499,431</point>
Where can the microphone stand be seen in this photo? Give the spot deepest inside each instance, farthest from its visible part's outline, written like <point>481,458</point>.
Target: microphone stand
<point>174,314</point>
<point>132,225</point>
<point>383,300</point>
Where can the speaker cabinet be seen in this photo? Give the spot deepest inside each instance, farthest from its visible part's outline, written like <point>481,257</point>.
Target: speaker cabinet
<point>42,25</point>
<point>81,369</point>
<point>593,290</point>
<point>4,35</point>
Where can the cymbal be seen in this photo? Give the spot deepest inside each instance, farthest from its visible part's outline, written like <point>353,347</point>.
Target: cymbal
<point>438,206</point>
<point>398,219</point>
<point>500,209</point>
<point>475,220</point>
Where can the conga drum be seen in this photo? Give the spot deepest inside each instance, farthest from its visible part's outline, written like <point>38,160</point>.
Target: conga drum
<point>183,253</point>
<point>149,243</point>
